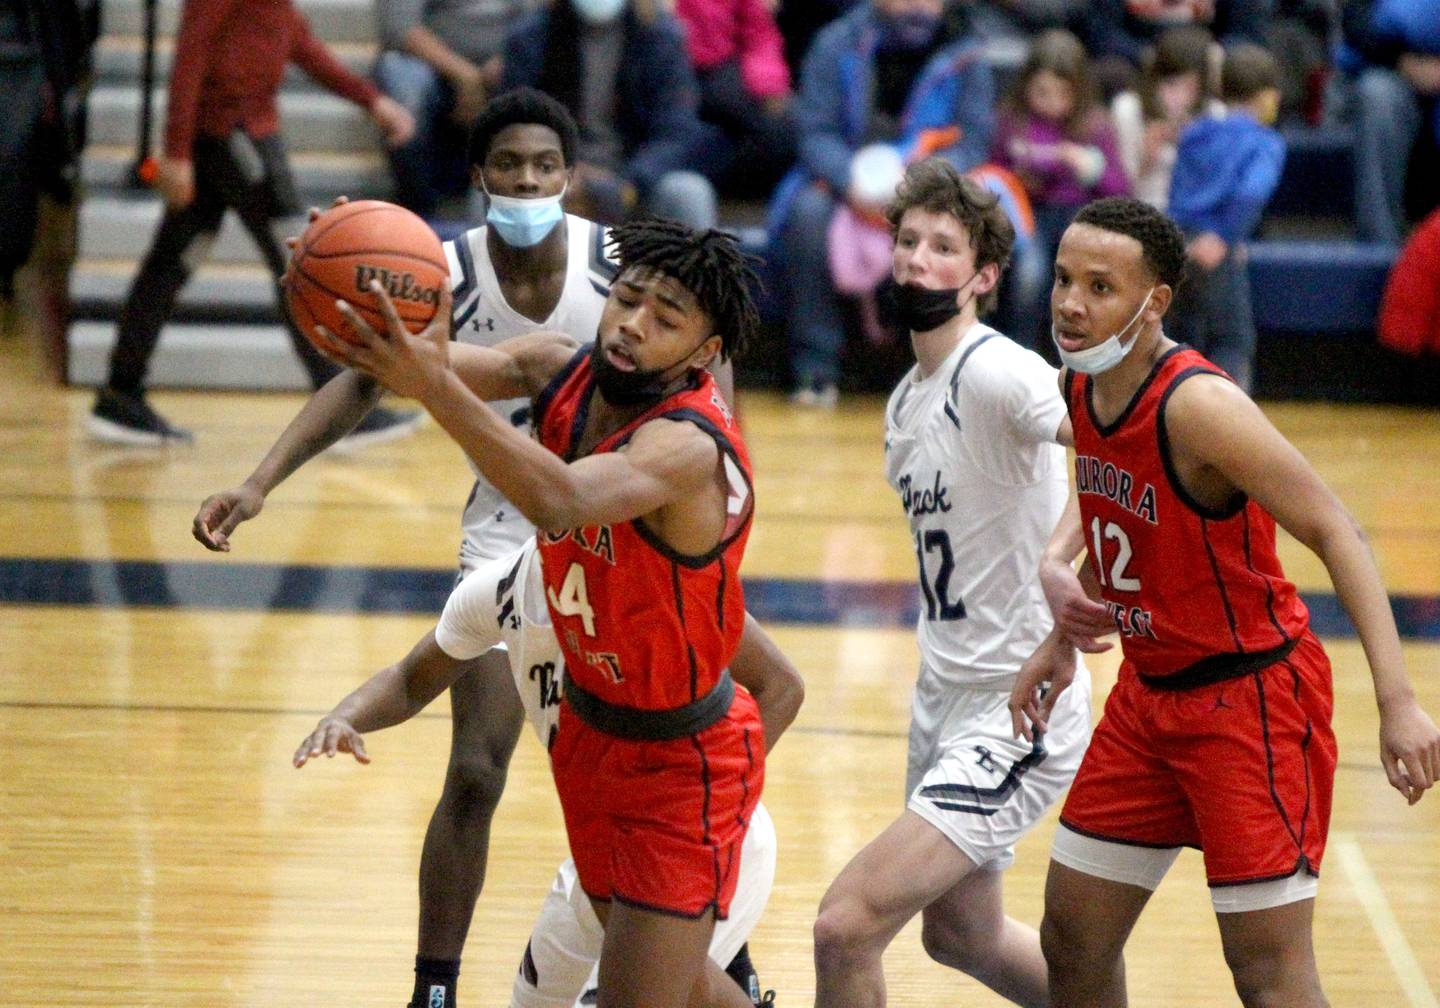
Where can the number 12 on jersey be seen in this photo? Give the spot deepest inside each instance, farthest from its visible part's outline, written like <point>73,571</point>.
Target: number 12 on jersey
<point>936,589</point>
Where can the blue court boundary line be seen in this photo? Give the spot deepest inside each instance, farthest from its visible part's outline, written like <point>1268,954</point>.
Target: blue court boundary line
<point>422,590</point>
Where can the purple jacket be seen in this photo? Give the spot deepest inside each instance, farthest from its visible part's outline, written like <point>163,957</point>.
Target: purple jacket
<point>1030,147</point>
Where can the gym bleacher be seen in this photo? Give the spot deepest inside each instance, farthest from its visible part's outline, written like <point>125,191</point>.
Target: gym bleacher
<point>1315,291</point>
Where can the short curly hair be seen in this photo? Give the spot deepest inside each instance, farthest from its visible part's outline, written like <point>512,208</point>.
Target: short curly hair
<point>1161,243</point>
<point>522,106</point>
<point>709,264</point>
<point>937,186</point>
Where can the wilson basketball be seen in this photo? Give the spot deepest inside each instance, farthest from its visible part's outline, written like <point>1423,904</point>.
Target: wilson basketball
<point>347,247</point>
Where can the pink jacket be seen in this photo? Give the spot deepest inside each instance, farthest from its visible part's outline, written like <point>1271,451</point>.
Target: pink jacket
<point>717,31</point>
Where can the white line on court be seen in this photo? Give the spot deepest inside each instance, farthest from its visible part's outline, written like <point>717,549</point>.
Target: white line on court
<point>1387,929</point>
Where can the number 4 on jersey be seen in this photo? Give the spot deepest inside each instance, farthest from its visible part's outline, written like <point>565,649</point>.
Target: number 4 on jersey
<point>573,600</point>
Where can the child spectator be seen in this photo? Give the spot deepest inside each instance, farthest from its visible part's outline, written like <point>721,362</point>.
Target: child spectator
<point>1059,141</point>
<point>223,150</point>
<point>1226,169</point>
<point>739,60</point>
<point>1172,90</point>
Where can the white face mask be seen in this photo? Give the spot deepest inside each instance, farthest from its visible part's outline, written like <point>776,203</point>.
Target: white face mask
<point>1103,356</point>
<point>598,12</point>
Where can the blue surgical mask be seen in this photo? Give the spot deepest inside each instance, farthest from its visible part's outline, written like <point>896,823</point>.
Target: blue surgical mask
<point>524,222</point>
<point>1103,356</point>
<point>597,12</point>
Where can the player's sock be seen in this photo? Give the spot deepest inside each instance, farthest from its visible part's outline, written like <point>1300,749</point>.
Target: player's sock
<point>435,982</point>
<point>742,971</point>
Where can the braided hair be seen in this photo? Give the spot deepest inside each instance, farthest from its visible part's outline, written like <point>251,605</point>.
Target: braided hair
<point>709,264</point>
<point>1161,243</point>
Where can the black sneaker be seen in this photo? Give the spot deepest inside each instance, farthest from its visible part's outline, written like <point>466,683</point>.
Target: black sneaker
<point>591,996</point>
<point>381,425</point>
<point>126,418</point>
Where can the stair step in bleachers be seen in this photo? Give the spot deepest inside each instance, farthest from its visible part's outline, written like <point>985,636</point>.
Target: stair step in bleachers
<point>335,21</point>
<point>196,356</point>
<point>309,121</point>
<point>318,175</point>
<point>120,229</point>
<point>220,291</point>
<point>118,61</point>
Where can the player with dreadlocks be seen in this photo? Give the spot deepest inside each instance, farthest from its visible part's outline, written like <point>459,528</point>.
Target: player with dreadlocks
<point>640,486</point>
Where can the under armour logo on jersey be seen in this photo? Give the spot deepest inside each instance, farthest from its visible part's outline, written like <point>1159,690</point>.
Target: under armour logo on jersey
<point>437,996</point>
<point>986,760</point>
<point>477,325</point>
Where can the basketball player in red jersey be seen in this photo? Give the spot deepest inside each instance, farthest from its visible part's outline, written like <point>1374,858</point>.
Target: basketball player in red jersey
<point>640,487</point>
<point>1217,734</point>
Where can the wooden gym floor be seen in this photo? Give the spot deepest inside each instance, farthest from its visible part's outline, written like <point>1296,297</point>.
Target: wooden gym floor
<point>158,848</point>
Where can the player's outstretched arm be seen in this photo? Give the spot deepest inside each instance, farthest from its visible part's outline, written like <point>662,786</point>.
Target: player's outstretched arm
<point>328,415</point>
<point>762,668</point>
<point>664,462</point>
<point>1213,422</point>
<point>393,695</point>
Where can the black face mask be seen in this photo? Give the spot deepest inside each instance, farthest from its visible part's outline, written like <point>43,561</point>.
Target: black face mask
<point>630,388</point>
<point>922,309</point>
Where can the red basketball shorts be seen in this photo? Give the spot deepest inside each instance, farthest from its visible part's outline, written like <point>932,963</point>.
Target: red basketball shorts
<point>1242,769</point>
<point>658,825</point>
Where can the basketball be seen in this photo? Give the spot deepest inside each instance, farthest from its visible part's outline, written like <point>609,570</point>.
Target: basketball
<point>347,247</point>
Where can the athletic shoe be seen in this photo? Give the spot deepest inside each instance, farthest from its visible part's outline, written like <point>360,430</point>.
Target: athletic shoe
<point>381,425</point>
<point>126,418</point>
<point>591,996</point>
<point>816,396</point>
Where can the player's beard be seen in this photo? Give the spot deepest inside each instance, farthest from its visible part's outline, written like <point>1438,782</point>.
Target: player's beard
<point>641,387</point>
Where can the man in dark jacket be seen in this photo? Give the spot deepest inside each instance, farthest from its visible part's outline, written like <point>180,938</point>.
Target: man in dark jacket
<point>620,67</point>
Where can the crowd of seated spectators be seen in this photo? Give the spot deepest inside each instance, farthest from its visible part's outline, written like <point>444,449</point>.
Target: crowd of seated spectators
<point>815,106</point>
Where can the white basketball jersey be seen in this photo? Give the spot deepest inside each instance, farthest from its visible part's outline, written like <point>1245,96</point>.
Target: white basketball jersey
<point>482,316</point>
<point>971,450</point>
<point>501,603</point>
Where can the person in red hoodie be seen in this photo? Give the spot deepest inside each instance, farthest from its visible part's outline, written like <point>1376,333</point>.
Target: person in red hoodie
<point>223,150</point>
<point>1410,310</point>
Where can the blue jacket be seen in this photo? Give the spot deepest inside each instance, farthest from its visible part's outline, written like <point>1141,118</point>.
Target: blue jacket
<point>657,113</point>
<point>1226,170</point>
<point>835,98</point>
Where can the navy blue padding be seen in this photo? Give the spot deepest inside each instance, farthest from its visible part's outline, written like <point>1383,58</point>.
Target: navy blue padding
<point>1319,175</point>
<point>1320,287</point>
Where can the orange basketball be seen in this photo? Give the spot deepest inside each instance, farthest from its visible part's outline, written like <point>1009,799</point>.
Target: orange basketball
<point>348,246</point>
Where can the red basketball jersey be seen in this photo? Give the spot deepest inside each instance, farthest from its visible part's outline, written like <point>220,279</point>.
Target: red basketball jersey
<point>1185,584</point>
<point>640,624</point>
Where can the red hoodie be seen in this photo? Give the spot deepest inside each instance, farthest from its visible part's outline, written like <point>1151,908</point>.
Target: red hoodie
<point>230,58</point>
<point>1410,310</point>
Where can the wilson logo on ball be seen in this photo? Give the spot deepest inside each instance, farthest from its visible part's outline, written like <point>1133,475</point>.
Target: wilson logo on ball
<point>400,286</point>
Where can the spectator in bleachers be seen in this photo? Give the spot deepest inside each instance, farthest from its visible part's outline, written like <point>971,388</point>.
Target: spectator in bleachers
<point>900,72</point>
<point>1008,26</point>
<point>223,150</point>
<point>1173,89</point>
<point>44,63</point>
<point>1058,140</point>
<point>1301,36</point>
<point>1392,47</point>
<point>440,59</point>
<point>1226,170</point>
<point>1410,310</point>
<point>620,68</point>
<point>801,20</point>
<point>1119,31</point>
<point>739,61</point>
